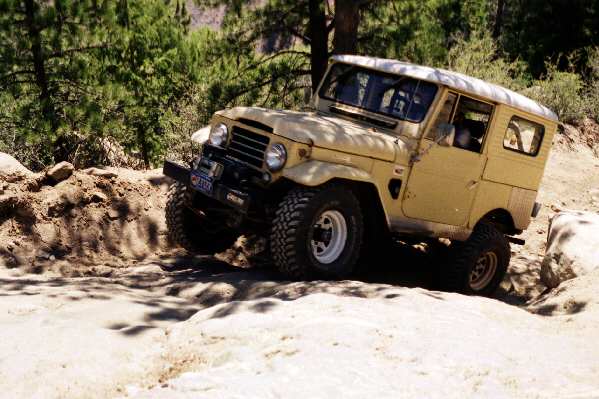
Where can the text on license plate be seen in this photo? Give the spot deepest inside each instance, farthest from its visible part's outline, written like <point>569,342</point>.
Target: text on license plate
<point>201,182</point>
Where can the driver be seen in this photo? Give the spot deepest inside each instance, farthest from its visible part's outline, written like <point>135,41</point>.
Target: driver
<point>462,132</point>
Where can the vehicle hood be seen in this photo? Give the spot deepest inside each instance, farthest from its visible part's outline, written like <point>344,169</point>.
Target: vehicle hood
<point>326,132</point>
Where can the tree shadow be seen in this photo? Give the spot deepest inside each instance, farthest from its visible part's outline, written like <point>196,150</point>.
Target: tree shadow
<point>204,282</point>
<point>569,308</point>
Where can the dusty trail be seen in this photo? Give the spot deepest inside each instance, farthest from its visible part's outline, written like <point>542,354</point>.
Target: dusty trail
<point>187,327</point>
<point>93,303</point>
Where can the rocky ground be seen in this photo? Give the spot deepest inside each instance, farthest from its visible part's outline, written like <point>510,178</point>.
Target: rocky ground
<point>94,302</point>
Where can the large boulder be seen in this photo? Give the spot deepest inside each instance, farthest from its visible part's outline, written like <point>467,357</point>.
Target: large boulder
<point>572,247</point>
<point>9,165</point>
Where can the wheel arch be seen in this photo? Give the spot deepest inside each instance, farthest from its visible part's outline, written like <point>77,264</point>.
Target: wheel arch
<point>370,200</point>
<point>316,173</point>
<point>502,219</point>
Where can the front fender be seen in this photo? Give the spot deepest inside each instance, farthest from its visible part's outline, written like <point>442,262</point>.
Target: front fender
<point>314,173</point>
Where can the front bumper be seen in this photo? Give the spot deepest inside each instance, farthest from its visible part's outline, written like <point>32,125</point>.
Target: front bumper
<point>176,172</point>
<point>220,192</point>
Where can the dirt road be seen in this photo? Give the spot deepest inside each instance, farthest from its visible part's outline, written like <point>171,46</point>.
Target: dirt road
<point>197,328</point>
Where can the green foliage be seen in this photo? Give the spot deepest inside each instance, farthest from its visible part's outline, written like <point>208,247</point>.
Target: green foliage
<point>77,74</point>
<point>478,57</point>
<point>561,92</point>
<point>45,50</point>
<point>152,64</point>
<point>421,31</point>
<point>537,30</point>
<point>592,97</point>
<point>592,90</point>
<point>405,30</point>
<point>78,71</point>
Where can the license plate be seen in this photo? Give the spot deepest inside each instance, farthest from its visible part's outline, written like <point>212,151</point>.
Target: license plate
<point>201,182</point>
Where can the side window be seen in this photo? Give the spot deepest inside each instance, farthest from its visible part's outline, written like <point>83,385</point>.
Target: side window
<point>471,120</point>
<point>444,116</point>
<point>523,136</point>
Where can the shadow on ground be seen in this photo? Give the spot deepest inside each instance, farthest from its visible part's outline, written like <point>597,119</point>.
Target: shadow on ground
<point>172,289</point>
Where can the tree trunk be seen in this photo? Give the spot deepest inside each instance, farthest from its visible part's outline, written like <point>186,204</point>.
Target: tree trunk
<point>498,19</point>
<point>319,39</point>
<point>39,68</point>
<point>347,19</point>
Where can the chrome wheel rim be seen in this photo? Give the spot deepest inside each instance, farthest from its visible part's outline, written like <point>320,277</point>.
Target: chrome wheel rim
<point>329,236</point>
<point>483,271</point>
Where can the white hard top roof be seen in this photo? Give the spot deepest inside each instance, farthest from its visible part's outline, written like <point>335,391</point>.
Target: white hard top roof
<point>453,80</point>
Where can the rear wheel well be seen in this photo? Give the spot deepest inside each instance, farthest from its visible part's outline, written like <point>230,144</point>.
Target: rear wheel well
<point>502,220</point>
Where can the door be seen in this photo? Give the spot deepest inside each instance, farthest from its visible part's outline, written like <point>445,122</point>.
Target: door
<point>442,184</point>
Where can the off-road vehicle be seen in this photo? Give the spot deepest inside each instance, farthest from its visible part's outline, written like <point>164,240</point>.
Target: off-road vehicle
<point>385,149</point>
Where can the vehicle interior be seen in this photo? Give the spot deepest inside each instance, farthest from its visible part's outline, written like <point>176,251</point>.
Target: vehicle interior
<point>470,118</point>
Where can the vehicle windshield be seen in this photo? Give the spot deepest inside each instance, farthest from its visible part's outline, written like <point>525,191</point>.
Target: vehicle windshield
<point>395,96</point>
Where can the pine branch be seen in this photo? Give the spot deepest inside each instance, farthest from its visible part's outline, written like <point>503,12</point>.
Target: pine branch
<point>16,73</point>
<point>297,72</point>
<point>62,53</point>
<point>272,57</point>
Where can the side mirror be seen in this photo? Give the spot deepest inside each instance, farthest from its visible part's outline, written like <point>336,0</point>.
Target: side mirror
<point>445,134</point>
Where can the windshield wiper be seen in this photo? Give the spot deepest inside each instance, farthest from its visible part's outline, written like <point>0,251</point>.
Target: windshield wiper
<point>365,118</point>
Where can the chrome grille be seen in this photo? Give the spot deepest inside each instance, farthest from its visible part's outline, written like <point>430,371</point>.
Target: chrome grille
<point>247,146</point>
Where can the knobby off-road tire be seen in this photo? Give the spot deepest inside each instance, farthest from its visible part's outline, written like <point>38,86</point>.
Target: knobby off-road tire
<point>301,222</point>
<point>479,264</point>
<point>186,228</point>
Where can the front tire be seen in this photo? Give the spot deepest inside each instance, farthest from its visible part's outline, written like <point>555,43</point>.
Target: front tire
<point>317,232</point>
<point>478,264</point>
<point>187,229</point>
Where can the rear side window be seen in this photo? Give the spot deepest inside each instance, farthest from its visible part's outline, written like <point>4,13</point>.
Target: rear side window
<point>523,136</point>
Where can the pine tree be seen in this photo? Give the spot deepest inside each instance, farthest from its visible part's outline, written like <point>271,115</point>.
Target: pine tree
<point>298,32</point>
<point>154,64</point>
<point>44,48</point>
<point>73,71</point>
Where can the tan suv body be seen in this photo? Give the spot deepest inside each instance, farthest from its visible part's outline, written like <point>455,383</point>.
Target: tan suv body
<point>434,153</point>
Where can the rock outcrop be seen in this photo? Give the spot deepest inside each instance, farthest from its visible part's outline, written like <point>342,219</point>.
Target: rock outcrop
<point>100,172</point>
<point>61,171</point>
<point>9,165</point>
<point>572,247</point>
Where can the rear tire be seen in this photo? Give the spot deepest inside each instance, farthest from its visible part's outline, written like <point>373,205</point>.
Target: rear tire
<point>478,264</point>
<point>317,232</point>
<point>187,229</point>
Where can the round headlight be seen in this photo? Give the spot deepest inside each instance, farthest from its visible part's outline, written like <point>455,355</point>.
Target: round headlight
<point>276,156</point>
<point>218,135</point>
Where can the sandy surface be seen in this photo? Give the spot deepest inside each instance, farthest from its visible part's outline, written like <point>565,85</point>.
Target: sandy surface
<point>195,328</point>
<point>132,318</point>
